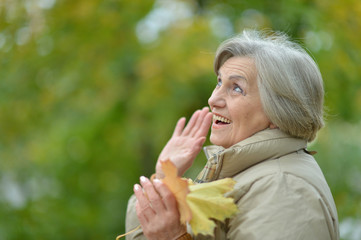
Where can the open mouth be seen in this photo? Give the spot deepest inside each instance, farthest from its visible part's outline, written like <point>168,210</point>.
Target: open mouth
<point>220,120</point>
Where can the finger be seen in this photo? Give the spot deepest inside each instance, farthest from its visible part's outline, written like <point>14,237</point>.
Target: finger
<point>168,198</point>
<point>199,143</point>
<point>179,126</point>
<point>142,201</point>
<point>195,131</point>
<point>153,196</point>
<point>197,146</point>
<point>191,123</point>
<point>206,124</point>
<point>141,217</point>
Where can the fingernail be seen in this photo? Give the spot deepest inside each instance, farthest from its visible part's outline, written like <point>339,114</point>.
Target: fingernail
<point>143,179</point>
<point>157,181</point>
<point>136,187</point>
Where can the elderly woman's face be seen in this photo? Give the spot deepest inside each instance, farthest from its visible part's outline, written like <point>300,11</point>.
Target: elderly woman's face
<point>236,104</point>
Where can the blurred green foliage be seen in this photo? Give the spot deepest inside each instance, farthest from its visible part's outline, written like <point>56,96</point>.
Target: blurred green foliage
<point>90,91</point>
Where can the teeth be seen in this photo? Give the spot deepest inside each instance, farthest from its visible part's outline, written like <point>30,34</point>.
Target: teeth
<point>219,118</point>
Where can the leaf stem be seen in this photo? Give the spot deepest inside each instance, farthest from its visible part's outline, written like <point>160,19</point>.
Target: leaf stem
<point>131,231</point>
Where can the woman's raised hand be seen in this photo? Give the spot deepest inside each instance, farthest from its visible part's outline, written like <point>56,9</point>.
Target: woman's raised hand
<point>186,142</point>
<point>157,210</point>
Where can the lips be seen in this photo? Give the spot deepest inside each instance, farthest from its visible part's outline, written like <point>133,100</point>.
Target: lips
<point>218,119</point>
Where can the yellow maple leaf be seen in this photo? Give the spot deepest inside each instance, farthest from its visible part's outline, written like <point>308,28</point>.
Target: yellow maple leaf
<point>207,202</point>
<point>179,187</point>
<point>199,203</point>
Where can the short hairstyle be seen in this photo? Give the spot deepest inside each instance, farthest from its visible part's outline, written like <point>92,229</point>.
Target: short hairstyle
<point>289,81</point>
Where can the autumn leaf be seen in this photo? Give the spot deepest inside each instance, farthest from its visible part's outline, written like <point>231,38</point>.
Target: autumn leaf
<point>207,202</point>
<point>179,187</point>
<point>199,203</point>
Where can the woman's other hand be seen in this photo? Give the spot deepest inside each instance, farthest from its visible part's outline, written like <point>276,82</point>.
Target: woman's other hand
<point>186,142</point>
<point>157,210</point>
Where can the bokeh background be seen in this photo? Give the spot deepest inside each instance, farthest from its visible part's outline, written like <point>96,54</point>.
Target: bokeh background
<point>90,91</point>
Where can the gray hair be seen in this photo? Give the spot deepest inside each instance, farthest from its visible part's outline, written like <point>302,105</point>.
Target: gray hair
<point>289,81</point>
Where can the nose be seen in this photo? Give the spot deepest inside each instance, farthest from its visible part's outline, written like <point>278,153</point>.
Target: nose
<point>216,100</point>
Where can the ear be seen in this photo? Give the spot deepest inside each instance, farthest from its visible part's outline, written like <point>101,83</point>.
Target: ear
<point>272,126</point>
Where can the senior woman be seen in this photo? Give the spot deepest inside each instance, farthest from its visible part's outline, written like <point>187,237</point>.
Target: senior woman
<point>266,106</point>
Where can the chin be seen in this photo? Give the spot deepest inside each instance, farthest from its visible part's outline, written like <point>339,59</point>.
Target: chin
<point>218,142</point>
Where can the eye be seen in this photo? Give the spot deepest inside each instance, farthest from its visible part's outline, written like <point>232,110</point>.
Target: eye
<point>219,82</point>
<point>238,89</point>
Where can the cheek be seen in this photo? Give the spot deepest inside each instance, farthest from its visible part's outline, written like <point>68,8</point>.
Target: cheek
<point>254,110</point>
<point>259,120</point>
<point>249,117</point>
<point>243,114</point>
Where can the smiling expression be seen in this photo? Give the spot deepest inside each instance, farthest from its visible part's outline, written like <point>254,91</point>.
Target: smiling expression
<point>236,104</point>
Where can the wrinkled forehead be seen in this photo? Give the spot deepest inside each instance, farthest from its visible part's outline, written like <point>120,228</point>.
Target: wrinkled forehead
<point>224,56</point>
<point>242,66</point>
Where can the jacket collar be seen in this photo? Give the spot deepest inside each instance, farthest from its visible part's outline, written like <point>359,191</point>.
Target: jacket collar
<point>266,144</point>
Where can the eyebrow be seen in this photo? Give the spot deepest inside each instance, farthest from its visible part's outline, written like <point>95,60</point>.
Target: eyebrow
<point>237,77</point>
<point>234,77</point>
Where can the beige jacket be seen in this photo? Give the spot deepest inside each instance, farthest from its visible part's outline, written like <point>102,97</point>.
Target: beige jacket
<point>281,192</point>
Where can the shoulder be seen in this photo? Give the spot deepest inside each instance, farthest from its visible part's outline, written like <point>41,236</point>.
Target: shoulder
<point>297,167</point>
<point>288,194</point>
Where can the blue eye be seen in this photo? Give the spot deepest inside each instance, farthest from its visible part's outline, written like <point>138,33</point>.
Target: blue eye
<point>238,89</point>
<point>219,82</point>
